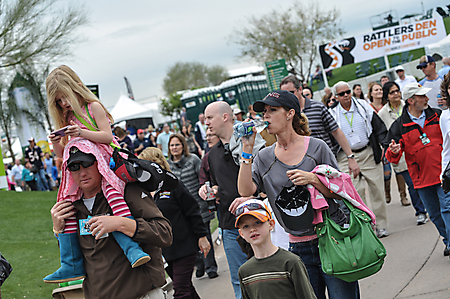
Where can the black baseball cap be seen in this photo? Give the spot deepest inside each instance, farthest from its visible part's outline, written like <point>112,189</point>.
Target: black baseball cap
<point>278,98</point>
<point>78,156</point>
<point>424,60</point>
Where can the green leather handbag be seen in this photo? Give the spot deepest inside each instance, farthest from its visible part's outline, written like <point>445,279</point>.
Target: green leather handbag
<point>350,253</point>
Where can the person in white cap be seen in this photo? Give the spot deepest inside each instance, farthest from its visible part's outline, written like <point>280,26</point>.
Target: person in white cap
<point>417,133</point>
<point>402,78</point>
<point>238,115</point>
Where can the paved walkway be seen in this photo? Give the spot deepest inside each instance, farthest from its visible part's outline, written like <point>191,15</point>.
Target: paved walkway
<point>414,268</point>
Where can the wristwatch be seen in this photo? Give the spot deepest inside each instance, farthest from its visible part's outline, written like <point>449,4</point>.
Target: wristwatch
<point>351,156</point>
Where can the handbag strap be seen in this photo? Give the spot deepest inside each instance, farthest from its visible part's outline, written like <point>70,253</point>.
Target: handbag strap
<point>90,126</point>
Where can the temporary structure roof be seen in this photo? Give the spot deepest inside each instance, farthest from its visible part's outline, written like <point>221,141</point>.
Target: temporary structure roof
<point>126,109</point>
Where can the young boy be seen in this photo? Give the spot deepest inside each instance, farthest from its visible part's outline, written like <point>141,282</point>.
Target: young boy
<point>272,272</point>
<point>28,177</point>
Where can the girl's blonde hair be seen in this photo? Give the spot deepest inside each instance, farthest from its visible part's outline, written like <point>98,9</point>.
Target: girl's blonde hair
<point>64,80</point>
<point>155,155</point>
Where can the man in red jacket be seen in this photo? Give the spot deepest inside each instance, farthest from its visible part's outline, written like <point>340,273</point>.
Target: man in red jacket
<point>417,133</point>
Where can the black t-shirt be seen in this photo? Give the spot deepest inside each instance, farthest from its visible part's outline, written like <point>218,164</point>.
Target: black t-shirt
<point>224,173</point>
<point>34,156</point>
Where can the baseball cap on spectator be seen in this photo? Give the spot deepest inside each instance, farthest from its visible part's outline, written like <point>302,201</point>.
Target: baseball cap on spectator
<point>30,139</point>
<point>424,60</point>
<point>237,111</point>
<point>278,98</point>
<point>77,155</point>
<point>399,68</point>
<point>413,89</point>
<point>254,207</point>
<point>140,131</point>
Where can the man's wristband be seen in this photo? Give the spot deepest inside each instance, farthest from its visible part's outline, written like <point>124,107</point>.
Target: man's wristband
<point>352,156</point>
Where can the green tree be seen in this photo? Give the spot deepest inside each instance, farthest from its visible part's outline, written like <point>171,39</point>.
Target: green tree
<point>171,105</point>
<point>293,34</point>
<point>6,119</point>
<point>37,30</point>
<point>32,34</point>
<point>192,75</point>
<point>32,77</point>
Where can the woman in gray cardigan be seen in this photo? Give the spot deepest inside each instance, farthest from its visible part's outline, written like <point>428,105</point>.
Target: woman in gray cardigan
<point>186,167</point>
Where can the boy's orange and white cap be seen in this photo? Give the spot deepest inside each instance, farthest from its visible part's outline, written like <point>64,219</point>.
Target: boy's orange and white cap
<point>255,207</point>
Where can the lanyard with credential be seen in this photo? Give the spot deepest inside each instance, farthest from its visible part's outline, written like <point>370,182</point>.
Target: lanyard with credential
<point>349,122</point>
<point>399,112</point>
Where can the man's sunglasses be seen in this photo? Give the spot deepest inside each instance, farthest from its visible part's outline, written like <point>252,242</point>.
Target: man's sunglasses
<point>76,166</point>
<point>422,67</point>
<point>251,207</point>
<point>341,94</point>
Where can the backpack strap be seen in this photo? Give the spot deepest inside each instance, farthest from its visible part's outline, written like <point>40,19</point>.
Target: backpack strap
<point>91,127</point>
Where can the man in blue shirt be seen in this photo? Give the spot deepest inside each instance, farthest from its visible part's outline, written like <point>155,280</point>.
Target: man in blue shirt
<point>162,141</point>
<point>445,68</point>
<point>141,142</point>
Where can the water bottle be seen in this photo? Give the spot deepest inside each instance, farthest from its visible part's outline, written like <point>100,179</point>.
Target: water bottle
<point>246,128</point>
<point>439,98</point>
<point>210,198</point>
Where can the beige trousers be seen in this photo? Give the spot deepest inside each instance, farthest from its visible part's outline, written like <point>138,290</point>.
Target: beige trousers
<point>373,174</point>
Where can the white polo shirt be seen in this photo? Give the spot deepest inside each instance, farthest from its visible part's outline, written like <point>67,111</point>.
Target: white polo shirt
<point>354,127</point>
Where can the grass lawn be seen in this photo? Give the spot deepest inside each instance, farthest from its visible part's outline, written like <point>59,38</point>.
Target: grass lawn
<point>27,242</point>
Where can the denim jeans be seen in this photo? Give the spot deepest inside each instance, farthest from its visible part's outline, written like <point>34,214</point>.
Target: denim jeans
<point>41,180</point>
<point>415,198</point>
<point>337,288</point>
<point>437,204</point>
<point>235,257</point>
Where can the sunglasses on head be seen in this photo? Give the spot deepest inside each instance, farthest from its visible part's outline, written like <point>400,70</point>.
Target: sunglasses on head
<point>341,94</point>
<point>76,166</point>
<point>251,207</point>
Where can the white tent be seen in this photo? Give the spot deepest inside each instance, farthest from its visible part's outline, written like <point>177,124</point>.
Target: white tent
<point>442,47</point>
<point>126,109</point>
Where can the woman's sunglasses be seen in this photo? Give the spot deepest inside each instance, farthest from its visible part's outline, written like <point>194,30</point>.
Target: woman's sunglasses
<point>251,207</point>
<point>76,166</point>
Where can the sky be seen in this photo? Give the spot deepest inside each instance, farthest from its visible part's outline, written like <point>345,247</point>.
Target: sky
<point>141,39</point>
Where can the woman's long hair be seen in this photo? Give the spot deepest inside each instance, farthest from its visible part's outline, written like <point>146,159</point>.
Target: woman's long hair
<point>65,81</point>
<point>386,87</point>
<point>183,143</point>
<point>369,95</point>
<point>300,124</point>
<point>444,89</point>
<point>361,96</point>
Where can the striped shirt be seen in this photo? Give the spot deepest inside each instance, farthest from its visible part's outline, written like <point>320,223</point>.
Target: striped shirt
<point>281,275</point>
<point>321,123</point>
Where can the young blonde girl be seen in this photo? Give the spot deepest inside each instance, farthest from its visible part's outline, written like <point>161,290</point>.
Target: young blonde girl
<point>72,104</point>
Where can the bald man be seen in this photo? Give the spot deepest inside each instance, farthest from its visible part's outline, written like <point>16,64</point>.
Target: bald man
<point>224,172</point>
<point>445,68</point>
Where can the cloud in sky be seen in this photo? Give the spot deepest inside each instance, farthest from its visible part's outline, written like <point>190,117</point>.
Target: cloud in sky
<point>142,39</point>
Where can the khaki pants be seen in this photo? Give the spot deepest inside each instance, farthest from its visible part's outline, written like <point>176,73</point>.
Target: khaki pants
<point>373,174</point>
<point>154,294</point>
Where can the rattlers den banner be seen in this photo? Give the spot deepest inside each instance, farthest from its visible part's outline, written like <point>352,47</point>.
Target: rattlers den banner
<point>381,42</point>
